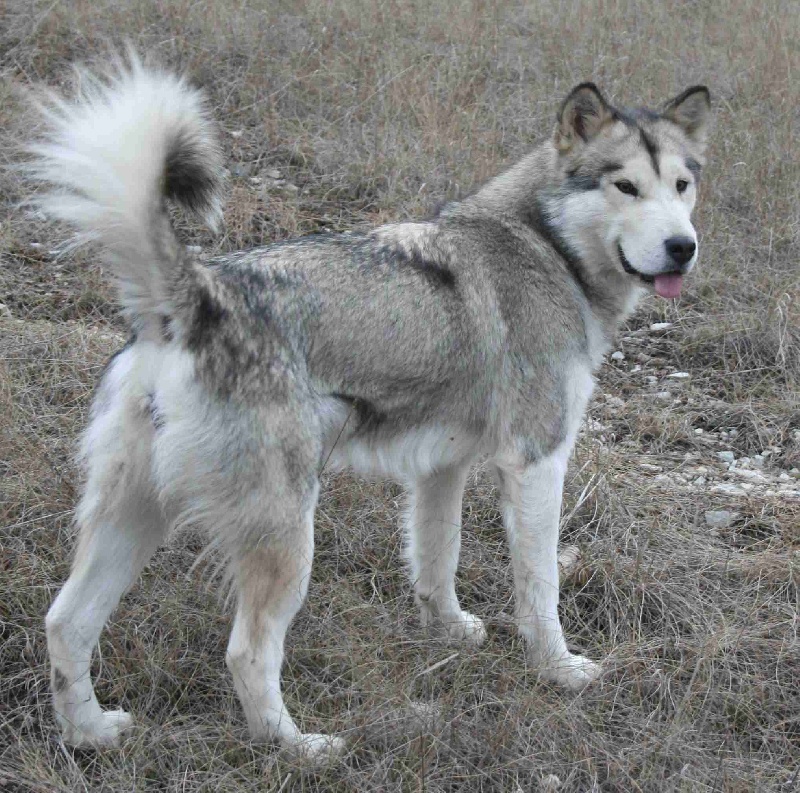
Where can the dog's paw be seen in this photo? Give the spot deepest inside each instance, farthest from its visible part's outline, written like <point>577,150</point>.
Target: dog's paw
<point>102,732</point>
<point>454,626</point>
<point>467,629</point>
<point>571,671</point>
<point>316,748</point>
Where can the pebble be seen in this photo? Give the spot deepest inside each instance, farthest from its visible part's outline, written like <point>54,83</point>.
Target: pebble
<point>663,395</point>
<point>679,375</point>
<point>748,473</point>
<point>194,249</point>
<point>241,169</point>
<point>726,457</point>
<point>660,325</point>
<point>729,489</point>
<point>721,518</point>
<point>617,356</point>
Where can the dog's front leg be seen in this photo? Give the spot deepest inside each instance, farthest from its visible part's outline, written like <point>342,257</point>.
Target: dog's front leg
<point>531,508</point>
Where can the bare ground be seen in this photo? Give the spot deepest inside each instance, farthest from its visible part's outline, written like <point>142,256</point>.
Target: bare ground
<point>342,115</point>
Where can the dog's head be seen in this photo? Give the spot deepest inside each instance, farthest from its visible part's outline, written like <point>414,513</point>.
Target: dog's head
<point>629,182</point>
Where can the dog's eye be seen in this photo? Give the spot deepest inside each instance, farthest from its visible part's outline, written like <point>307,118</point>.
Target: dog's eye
<point>681,185</point>
<point>624,186</point>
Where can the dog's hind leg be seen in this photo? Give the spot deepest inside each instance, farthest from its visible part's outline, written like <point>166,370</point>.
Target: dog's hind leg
<point>271,568</point>
<point>120,525</point>
<point>433,528</point>
<point>531,509</point>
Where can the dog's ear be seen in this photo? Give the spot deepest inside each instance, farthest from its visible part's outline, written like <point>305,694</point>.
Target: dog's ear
<point>691,111</point>
<point>582,115</point>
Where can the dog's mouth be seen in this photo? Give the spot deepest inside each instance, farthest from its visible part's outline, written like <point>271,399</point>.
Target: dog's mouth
<point>667,285</point>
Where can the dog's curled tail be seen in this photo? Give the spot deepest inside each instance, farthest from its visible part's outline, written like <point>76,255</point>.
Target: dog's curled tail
<point>126,142</point>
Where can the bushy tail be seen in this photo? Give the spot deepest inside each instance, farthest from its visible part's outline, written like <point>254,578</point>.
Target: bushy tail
<point>126,142</point>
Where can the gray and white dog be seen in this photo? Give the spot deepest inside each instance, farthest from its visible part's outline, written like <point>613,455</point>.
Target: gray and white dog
<point>411,351</point>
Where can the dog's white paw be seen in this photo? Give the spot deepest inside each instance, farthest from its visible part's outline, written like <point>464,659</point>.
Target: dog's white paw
<point>574,672</point>
<point>468,629</point>
<point>316,748</point>
<point>103,732</point>
<point>457,626</point>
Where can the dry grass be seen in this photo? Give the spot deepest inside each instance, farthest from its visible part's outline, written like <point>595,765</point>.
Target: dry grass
<point>376,111</point>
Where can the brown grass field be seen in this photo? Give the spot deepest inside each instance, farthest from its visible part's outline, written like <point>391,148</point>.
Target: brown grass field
<point>374,111</point>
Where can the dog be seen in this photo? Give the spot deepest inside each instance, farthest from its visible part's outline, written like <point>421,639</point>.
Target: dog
<point>410,351</point>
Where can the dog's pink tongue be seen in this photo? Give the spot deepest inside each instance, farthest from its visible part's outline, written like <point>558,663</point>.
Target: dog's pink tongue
<point>669,286</point>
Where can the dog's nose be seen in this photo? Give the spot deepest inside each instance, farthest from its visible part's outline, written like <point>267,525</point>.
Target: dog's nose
<point>680,249</point>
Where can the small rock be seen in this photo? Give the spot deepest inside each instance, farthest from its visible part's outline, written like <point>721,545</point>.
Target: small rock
<point>194,249</point>
<point>728,489</point>
<point>660,325</point>
<point>649,467</point>
<point>783,476</point>
<point>679,375</point>
<point>721,518</point>
<point>698,431</point>
<point>758,461</point>
<point>651,380</point>
<point>700,481</point>
<point>726,457</point>
<point>241,169</point>
<point>236,133</point>
<point>636,369</point>
<point>617,356</point>
<point>615,402</point>
<point>663,395</point>
<point>734,433</point>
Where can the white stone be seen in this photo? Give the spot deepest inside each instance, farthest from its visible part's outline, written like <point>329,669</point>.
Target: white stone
<point>663,395</point>
<point>728,489</point>
<point>726,457</point>
<point>679,375</point>
<point>617,356</point>
<point>721,518</point>
<point>749,474</point>
<point>660,325</point>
